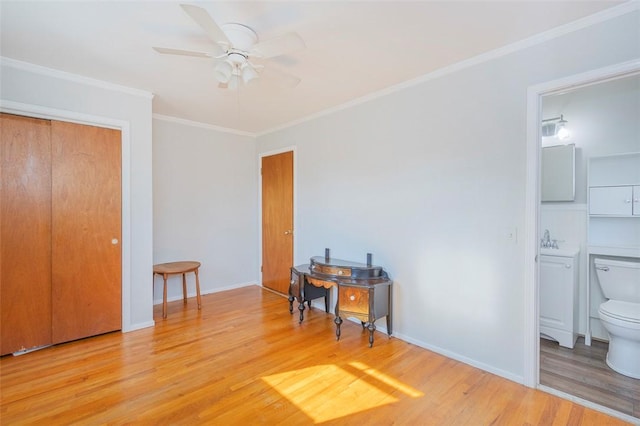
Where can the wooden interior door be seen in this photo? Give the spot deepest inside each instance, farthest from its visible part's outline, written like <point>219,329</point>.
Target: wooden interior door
<point>25,233</point>
<point>86,231</point>
<point>277,221</point>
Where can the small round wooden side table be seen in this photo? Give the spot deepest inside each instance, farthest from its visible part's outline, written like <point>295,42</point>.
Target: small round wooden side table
<point>173,268</point>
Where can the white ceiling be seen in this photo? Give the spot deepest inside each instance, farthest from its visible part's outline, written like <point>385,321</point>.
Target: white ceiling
<point>353,48</point>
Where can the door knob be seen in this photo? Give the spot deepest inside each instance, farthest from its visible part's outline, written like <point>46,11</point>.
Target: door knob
<point>287,232</point>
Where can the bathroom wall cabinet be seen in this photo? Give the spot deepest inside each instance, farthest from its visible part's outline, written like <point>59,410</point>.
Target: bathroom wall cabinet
<point>613,223</point>
<point>559,298</point>
<point>615,200</point>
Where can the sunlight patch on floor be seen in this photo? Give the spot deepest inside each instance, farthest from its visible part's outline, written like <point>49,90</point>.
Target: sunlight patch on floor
<point>390,381</point>
<point>328,392</point>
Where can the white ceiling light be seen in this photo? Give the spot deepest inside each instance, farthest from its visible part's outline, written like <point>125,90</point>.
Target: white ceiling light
<point>248,73</point>
<point>234,46</point>
<point>233,82</point>
<point>223,71</point>
<point>562,132</point>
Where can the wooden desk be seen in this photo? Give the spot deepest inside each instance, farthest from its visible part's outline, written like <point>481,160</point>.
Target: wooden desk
<point>364,290</point>
<point>173,268</point>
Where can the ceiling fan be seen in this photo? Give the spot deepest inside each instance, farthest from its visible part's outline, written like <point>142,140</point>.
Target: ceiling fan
<point>235,47</point>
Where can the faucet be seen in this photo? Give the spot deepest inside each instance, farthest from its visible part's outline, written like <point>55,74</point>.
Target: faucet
<point>546,239</point>
<point>547,242</point>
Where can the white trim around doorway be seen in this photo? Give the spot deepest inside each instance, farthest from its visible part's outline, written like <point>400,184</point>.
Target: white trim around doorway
<point>532,212</point>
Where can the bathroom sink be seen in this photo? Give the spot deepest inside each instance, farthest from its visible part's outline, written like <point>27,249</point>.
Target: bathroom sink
<point>567,250</point>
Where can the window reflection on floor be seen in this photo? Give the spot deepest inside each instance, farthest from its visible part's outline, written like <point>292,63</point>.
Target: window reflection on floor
<point>344,390</point>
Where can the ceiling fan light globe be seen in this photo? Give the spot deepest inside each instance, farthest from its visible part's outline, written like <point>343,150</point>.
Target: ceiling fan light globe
<point>248,74</point>
<point>223,72</point>
<point>233,82</point>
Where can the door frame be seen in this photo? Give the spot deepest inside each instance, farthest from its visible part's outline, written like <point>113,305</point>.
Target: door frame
<point>47,113</point>
<point>532,205</point>
<point>291,149</point>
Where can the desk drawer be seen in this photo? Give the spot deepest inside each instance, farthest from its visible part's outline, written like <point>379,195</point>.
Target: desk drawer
<point>332,270</point>
<point>354,299</point>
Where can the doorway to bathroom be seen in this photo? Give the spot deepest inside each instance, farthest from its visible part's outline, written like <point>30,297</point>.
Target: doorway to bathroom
<point>599,111</point>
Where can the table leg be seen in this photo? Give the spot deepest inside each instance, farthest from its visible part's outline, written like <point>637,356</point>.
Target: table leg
<point>164,296</point>
<point>338,321</point>
<point>372,328</point>
<point>184,288</point>
<point>198,289</point>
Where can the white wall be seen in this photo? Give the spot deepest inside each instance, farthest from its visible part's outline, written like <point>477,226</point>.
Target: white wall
<point>204,205</point>
<point>81,99</point>
<point>431,180</point>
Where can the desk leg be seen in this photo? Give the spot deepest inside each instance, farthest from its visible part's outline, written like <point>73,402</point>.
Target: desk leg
<point>184,288</point>
<point>301,297</point>
<point>372,328</point>
<point>338,321</point>
<point>198,289</point>
<point>164,296</point>
<point>389,308</point>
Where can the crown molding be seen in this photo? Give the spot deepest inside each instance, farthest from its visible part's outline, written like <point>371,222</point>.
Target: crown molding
<point>208,126</point>
<point>63,75</point>
<point>587,21</point>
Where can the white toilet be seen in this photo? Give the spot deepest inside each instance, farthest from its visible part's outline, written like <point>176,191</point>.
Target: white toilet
<point>620,315</point>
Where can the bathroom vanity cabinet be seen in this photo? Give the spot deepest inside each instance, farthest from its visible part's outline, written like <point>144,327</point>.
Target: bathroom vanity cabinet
<point>559,297</point>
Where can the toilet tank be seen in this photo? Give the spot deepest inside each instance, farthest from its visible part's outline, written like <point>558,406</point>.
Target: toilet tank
<point>619,280</point>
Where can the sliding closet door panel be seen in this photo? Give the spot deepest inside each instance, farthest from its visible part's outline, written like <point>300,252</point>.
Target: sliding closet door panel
<point>25,233</point>
<point>86,234</point>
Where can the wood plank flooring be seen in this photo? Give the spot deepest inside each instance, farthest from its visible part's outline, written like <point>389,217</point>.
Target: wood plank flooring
<point>583,372</point>
<point>243,359</point>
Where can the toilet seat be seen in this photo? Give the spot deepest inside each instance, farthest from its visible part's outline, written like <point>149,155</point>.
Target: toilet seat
<point>623,311</point>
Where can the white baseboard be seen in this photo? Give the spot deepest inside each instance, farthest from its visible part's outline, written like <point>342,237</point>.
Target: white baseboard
<point>138,326</point>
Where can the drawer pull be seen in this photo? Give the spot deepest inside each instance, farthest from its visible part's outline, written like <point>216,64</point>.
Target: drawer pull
<point>352,297</point>
<point>603,268</point>
<point>567,265</point>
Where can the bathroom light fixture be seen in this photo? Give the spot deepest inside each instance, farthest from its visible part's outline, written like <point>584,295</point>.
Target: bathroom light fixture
<point>556,126</point>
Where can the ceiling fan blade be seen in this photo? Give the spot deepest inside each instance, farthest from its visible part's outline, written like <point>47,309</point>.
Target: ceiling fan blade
<point>166,50</point>
<point>279,78</point>
<point>277,46</point>
<point>204,20</point>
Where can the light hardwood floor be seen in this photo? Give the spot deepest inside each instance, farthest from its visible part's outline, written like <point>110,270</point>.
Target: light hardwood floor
<point>244,359</point>
<point>583,372</point>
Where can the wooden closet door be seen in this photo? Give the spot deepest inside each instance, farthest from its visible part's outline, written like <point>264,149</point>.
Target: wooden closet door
<point>25,233</point>
<point>86,231</point>
<point>277,221</point>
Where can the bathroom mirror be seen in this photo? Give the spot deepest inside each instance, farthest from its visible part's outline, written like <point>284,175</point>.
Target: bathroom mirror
<point>558,173</point>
